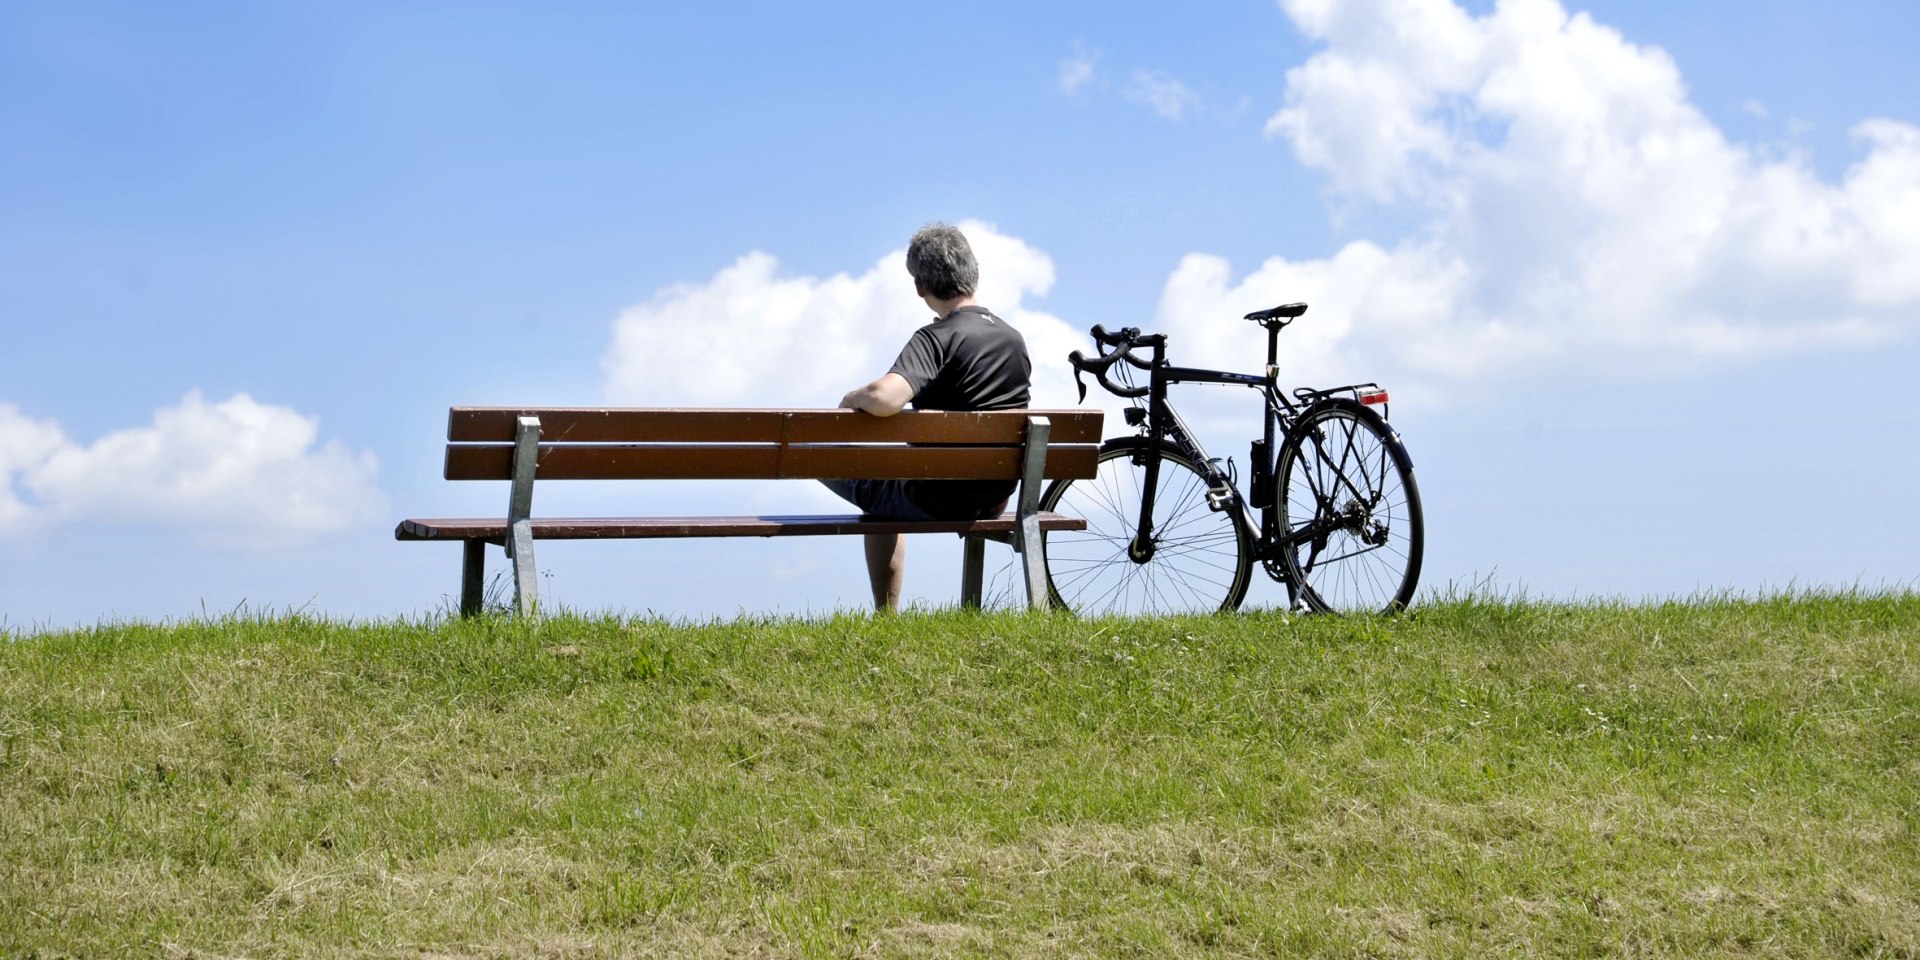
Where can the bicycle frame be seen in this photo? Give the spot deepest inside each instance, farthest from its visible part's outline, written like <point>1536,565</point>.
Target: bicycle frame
<point>1280,412</point>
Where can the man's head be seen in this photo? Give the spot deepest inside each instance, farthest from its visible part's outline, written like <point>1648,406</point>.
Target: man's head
<point>942,263</point>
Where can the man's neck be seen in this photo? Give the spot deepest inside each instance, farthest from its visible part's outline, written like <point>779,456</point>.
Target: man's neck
<point>942,308</point>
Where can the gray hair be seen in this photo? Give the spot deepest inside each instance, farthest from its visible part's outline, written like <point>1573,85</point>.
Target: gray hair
<point>941,260</point>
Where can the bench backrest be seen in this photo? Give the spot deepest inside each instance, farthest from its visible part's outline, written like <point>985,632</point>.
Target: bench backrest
<point>589,443</point>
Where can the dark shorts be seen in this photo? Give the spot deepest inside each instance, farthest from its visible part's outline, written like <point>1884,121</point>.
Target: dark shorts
<point>884,499</point>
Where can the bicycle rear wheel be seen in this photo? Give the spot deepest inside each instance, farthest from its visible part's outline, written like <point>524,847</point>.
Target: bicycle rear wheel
<point>1201,559</point>
<point>1345,485</point>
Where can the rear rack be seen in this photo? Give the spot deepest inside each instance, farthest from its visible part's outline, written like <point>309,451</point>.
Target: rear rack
<point>1369,394</point>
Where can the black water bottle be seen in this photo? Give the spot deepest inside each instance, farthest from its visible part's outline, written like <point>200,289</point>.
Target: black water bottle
<point>1260,494</point>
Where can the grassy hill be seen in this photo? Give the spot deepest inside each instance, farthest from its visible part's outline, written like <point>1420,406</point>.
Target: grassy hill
<point>1718,778</point>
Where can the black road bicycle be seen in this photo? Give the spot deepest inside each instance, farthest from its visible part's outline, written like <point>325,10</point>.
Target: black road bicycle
<point>1168,530</point>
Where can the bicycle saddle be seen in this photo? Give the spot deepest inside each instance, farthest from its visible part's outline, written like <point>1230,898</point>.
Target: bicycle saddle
<point>1283,312</point>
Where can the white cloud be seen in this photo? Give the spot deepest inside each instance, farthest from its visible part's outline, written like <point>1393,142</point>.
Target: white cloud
<point>1570,199</point>
<point>238,472</point>
<point>1160,92</point>
<point>24,443</point>
<point>1077,71</point>
<point>754,335</point>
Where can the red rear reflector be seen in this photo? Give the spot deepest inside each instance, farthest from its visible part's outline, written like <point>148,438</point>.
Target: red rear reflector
<point>1376,396</point>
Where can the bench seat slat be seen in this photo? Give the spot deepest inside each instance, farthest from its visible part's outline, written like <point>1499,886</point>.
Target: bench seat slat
<point>606,528</point>
<point>693,425</point>
<point>764,462</point>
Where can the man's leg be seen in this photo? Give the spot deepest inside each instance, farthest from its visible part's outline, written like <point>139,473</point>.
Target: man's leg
<point>886,552</point>
<point>886,569</point>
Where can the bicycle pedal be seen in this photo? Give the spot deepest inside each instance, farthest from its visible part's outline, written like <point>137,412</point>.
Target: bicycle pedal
<point>1220,496</point>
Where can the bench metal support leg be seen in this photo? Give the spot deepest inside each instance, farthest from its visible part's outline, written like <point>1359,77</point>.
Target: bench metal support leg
<point>473,576</point>
<point>973,561</point>
<point>1034,564</point>
<point>526,458</point>
<point>1032,547</point>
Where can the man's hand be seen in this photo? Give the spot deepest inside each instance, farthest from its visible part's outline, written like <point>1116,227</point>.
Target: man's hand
<point>882,398</point>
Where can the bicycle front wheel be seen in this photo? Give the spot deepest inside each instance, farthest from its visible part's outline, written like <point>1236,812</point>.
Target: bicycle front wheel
<point>1348,503</point>
<point>1198,559</point>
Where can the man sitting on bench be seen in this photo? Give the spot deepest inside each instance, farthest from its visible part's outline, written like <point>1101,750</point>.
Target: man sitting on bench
<point>966,359</point>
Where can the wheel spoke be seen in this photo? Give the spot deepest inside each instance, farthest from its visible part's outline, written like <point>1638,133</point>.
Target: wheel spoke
<point>1200,559</point>
<point>1342,475</point>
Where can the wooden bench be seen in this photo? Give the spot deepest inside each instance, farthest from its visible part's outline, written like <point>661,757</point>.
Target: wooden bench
<point>522,444</point>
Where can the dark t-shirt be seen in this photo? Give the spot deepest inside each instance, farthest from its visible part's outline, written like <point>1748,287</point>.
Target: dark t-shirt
<point>967,360</point>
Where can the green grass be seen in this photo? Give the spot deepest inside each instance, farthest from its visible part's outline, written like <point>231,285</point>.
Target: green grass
<point>1716,778</point>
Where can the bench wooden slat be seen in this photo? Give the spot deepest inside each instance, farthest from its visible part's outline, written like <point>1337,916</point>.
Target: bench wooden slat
<point>944,427</point>
<point>764,462</point>
<point>693,425</point>
<point>921,463</point>
<point>609,528</point>
<point>601,425</point>
<point>611,462</point>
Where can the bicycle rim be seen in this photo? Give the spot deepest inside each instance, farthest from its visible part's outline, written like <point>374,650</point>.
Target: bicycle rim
<point>1343,474</point>
<point>1201,559</point>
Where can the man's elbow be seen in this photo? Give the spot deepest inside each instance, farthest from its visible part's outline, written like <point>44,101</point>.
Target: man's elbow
<point>882,406</point>
<point>869,401</point>
<point>887,396</point>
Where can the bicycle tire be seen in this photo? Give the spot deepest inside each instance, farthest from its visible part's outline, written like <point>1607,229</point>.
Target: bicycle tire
<point>1343,468</point>
<point>1202,559</point>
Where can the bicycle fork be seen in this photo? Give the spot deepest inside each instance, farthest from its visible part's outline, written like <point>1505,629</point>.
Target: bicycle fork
<point>1221,495</point>
<point>1141,549</point>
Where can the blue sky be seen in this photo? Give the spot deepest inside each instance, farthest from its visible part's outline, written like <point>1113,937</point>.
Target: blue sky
<point>1644,278</point>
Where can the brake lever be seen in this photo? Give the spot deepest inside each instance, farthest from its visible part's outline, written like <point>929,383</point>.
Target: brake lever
<point>1077,358</point>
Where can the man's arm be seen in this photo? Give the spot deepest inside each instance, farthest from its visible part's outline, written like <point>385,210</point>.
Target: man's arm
<point>882,398</point>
